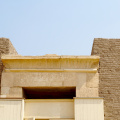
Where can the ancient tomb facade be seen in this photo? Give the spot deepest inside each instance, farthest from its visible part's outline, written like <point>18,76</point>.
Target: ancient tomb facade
<point>50,87</point>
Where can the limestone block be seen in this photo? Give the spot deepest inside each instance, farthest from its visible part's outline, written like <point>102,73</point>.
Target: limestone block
<point>92,80</point>
<point>56,83</point>
<point>7,79</point>
<point>87,92</point>
<point>81,84</point>
<point>12,92</point>
<point>81,92</point>
<point>92,92</point>
<point>5,90</point>
<point>43,79</point>
<point>70,83</point>
<point>81,80</point>
<point>30,79</point>
<point>15,92</point>
<point>70,76</point>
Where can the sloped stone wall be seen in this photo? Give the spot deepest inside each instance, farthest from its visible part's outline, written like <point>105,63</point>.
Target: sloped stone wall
<point>109,75</point>
<point>6,47</point>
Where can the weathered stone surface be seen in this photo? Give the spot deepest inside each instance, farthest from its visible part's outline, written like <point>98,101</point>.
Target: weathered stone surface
<point>5,90</point>
<point>41,62</point>
<point>47,71</point>
<point>92,80</point>
<point>86,83</point>
<point>6,47</point>
<point>86,92</point>
<point>42,79</point>
<point>7,80</point>
<point>15,92</point>
<point>12,92</point>
<point>109,75</point>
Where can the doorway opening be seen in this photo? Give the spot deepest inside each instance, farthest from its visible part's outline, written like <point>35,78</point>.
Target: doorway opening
<point>49,92</point>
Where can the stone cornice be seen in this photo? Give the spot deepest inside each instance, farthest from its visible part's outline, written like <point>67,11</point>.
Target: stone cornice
<point>49,63</point>
<point>18,57</point>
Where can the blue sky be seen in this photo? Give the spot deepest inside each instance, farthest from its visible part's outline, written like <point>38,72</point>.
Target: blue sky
<point>63,27</point>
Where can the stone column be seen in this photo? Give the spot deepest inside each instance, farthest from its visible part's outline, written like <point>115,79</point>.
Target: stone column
<point>88,108</point>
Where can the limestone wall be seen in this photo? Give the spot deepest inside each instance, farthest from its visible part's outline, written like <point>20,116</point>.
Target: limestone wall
<point>47,71</point>
<point>109,72</point>
<point>42,71</point>
<point>6,47</point>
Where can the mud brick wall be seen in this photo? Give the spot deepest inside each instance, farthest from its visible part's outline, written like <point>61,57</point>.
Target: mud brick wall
<point>109,75</point>
<point>6,47</point>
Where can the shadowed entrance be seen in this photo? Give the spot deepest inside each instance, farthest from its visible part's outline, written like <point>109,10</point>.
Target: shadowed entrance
<point>49,92</point>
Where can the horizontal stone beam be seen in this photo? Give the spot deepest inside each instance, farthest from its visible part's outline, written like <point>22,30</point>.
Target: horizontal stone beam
<point>52,70</point>
<point>14,57</point>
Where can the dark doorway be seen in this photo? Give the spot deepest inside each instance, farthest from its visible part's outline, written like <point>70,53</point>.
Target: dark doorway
<point>49,92</point>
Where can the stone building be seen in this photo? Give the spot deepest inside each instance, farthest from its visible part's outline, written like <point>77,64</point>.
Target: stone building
<point>53,87</point>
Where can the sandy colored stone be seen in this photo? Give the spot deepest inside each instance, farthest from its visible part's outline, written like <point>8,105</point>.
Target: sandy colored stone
<point>47,71</point>
<point>109,75</point>
<point>92,80</point>
<point>86,92</point>
<point>7,80</point>
<point>5,90</point>
<point>53,79</point>
<point>15,92</point>
<point>6,47</point>
<point>39,62</point>
<point>63,79</point>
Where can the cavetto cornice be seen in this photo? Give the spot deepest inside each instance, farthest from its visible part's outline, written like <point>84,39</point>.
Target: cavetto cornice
<point>50,63</point>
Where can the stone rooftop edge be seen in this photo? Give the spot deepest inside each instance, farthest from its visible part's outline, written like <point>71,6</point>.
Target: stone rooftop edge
<point>15,57</point>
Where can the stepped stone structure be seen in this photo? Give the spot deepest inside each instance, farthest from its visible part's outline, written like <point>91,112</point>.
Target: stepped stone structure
<point>109,72</point>
<point>53,87</point>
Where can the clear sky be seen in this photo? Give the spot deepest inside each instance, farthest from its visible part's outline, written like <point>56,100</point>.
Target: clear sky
<point>63,27</point>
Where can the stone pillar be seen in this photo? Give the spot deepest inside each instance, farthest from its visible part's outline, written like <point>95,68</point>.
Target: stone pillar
<point>109,75</point>
<point>6,47</point>
<point>88,108</point>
